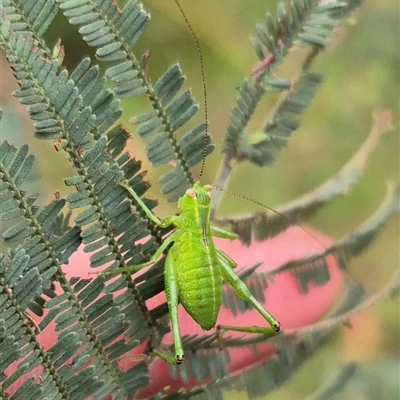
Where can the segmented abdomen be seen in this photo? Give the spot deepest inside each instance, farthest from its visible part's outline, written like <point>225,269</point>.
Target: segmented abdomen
<point>199,278</point>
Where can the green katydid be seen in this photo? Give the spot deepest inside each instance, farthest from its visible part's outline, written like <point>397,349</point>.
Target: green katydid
<point>194,267</point>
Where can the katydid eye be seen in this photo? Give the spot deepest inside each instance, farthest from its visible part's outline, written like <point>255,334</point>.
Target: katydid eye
<point>191,193</point>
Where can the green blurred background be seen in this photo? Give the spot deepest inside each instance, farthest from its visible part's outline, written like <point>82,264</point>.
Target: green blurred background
<point>362,76</point>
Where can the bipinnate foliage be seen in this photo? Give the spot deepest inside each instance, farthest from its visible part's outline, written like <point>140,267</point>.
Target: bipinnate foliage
<point>99,321</point>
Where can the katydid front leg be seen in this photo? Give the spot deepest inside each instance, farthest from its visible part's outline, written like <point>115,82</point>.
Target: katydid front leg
<point>222,233</point>
<point>161,223</point>
<point>242,291</point>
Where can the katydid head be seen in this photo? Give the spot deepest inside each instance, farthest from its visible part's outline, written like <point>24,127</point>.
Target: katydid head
<point>197,196</point>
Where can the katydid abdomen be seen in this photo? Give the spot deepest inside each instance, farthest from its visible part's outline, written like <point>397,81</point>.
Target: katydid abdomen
<point>199,278</point>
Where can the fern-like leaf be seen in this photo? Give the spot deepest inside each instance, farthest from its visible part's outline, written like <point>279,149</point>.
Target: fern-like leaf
<point>158,128</point>
<point>268,224</point>
<point>306,23</point>
<point>104,24</point>
<point>115,38</point>
<point>30,16</point>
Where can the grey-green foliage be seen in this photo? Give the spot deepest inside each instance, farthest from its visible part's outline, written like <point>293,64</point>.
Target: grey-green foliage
<point>99,321</point>
<point>304,24</point>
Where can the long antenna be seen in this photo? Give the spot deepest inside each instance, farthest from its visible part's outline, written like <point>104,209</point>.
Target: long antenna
<point>292,222</point>
<point>206,135</point>
<point>203,78</point>
<point>268,208</point>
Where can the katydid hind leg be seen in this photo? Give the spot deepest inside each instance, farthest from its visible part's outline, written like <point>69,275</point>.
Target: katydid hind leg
<point>242,291</point>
